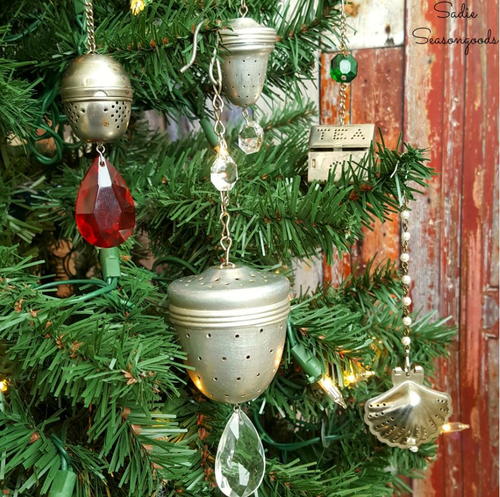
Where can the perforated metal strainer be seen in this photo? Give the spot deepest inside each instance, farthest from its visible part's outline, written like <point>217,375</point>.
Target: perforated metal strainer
<point>97,98</point>
<point>246,46</point>
<point>231,322</point>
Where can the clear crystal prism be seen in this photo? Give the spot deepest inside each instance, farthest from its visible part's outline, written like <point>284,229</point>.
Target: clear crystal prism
<point>224,172</point>
<point>251,137</point>
<point>240,460</point>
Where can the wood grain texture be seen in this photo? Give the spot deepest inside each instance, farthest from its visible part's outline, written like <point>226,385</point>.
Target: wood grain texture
<point>446,102</point>
<point>451,105</point>
<point>376,96</point>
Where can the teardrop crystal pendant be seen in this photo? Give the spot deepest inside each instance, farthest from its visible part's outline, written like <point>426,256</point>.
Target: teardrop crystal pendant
<point>105,210</point>
<point>240,460</point>
<point>224,171</point>
<point>251,137</point>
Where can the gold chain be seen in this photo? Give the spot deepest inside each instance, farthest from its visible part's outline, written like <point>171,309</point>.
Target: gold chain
<point>243,9</point>
<point>345,51</point>
<point>220,130</point>
<point>406,282</point>
<point>226,241</point>
<point>217,100</point>
<point>89,16</point>
<point>342,103</point>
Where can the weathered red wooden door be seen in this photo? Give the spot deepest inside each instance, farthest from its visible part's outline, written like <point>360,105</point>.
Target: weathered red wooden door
<point>447,101</point>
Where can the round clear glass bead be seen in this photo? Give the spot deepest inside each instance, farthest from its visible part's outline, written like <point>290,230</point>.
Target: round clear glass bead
<point>224,172</point>
<point>250,137</point>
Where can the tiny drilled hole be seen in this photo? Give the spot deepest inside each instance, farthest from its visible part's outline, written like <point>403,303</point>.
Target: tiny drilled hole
<point>239,378</point>
<point>262,330</point>
<point>247,357</point>
<point>237,335</point>
<point>224,358</point>
<point>215,379</point>
<point>199,358</point>
<point>188,335</point>
<point>258,374</point>
<point>209,335</point>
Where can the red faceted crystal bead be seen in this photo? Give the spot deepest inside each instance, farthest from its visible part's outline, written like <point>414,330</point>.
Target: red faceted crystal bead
<point>105,211</point>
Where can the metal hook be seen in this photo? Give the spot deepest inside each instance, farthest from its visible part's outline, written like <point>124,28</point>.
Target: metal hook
<point>195,48</point>
<point>217,82</point>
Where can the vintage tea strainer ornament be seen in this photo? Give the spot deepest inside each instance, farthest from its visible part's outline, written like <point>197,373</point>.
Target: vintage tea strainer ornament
<point>97,97</point>
<point>410,413</point>
<point>334,147</point>
<point>245,49</point>
<point>231,322</point>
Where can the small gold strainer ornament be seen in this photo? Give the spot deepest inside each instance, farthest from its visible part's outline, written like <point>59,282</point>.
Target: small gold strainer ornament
<point>410,413</point>
<point>96,92</point>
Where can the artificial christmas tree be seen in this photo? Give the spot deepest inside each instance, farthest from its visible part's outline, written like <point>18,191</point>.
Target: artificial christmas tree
<point>98,379</point>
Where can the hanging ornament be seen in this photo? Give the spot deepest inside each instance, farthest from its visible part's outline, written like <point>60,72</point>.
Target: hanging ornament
<point>246,46</point>
<point>224,171</point>
<point>251,135</point>
<point>332,147</point>
<point>105,211</point>
<point>97,98</point>
<point>231,323</point>
<point>240,461</point>
<point>410,413</point>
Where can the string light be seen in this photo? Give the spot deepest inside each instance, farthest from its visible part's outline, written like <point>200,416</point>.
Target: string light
<point>314,370</point>
<point>329,387</point>
<point>454,427</point>
<point>4,386</point>
<point>355,374</point>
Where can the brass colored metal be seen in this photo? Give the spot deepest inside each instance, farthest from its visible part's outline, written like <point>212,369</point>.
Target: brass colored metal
<point>409,414</point>
<point>97,97</point>
<point>231,322</point>
<point>331,146</point>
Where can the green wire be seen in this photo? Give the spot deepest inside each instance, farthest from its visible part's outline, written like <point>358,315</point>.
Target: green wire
<point>290,446</point>
<point>111,285</point>
<point>291,334</point>
<point>65,459</point>
<point>71,282</point>
<point>175,260</point>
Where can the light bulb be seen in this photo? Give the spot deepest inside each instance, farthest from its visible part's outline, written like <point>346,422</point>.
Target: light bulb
<point>327,384</point>
<point>454,426</point>
<point>4,386</point>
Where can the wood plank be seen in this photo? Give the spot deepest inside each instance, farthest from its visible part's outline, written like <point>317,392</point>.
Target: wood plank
<point>376,96</point>
<point>480,174</point>
<point>437,101</point>
<point>435,88</point>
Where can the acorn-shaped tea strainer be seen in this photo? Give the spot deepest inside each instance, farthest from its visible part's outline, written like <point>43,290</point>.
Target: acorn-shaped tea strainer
<point>245,49</point>
<point>97,97</point>
<point>231,322</point>
<point>96,92</point>
<point>246,46</point>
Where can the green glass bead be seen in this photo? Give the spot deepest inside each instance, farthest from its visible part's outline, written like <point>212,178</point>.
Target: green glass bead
<point>344,68</point>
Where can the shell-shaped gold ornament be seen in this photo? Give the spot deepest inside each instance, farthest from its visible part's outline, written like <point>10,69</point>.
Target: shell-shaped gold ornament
<point>409,414</point>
